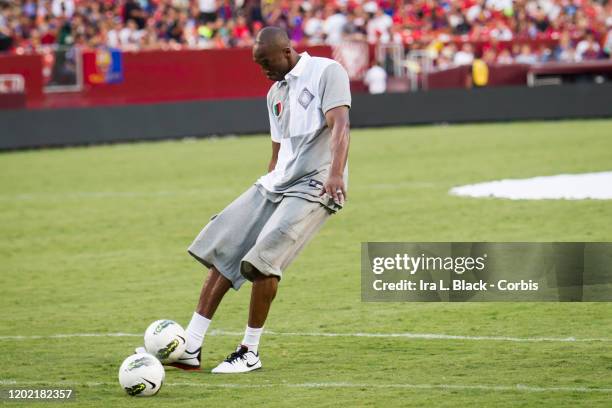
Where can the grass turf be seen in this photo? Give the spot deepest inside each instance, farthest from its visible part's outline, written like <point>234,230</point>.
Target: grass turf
<point>94,241</point>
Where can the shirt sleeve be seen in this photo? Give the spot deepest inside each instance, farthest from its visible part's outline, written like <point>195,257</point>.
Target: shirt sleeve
<point>274,130</point>
<point>334,88</point>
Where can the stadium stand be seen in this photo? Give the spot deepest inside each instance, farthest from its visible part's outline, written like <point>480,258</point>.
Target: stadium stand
<point>448,32</point>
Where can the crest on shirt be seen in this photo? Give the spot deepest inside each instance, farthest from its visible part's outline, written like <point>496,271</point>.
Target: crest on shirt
<point>305,98</point>
<point>277,108</point>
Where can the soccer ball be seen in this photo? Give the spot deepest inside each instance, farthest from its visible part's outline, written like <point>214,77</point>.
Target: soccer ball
<point>141,375</point>
<point>165,339</point>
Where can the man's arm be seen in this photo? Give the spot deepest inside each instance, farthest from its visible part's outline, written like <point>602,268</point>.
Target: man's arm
<point>274,158</point>
<point>338,121</point>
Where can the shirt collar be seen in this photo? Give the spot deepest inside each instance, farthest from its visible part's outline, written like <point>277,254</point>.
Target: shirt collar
<point>298,68</point>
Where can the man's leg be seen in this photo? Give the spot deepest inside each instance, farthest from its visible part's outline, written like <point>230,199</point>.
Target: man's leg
<point>262,294</point>
<point>213,290</point>
<point>246,357</point>
<point>285,234</point>
<point>220,246</point>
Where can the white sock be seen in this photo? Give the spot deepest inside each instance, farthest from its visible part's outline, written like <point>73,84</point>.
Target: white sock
<point>196,331</point>
<point>251,338</point>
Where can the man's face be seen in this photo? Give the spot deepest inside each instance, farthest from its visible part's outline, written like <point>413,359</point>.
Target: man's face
<point>273,62</point>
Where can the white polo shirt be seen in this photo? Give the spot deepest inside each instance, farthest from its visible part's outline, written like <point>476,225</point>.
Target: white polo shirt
<point>296,109</point>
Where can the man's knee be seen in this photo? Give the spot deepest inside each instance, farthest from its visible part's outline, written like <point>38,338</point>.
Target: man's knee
<point>267,284</point>
<point>268,280</point>
<point>215,277</point>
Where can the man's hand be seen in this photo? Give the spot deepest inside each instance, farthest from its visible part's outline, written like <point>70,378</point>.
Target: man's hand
<point>334,186</point>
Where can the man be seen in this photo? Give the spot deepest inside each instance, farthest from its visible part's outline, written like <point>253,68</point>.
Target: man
<point>333,27</point>
<point>376,79</point>
<point>262,231</point>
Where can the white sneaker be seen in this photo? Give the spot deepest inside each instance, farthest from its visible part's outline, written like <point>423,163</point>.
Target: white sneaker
<point>240,361</point>
<point>187,361</point>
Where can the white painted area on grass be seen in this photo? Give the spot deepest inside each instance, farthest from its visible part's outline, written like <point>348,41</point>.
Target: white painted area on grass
<point>596,186</point>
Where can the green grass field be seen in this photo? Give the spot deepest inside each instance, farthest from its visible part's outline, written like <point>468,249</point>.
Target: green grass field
<point>94,241</point>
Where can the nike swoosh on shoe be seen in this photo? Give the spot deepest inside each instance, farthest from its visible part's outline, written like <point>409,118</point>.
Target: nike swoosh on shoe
<point>252,365</point>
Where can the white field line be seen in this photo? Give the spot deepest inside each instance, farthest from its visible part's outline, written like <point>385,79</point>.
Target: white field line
<point>203,384</point>
<point>415,336</point>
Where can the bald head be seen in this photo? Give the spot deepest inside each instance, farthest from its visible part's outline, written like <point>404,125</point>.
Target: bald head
<point>272,37</point>
<point>273,52</point>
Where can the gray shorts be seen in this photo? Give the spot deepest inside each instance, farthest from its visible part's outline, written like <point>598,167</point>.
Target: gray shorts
<point>259,231</point>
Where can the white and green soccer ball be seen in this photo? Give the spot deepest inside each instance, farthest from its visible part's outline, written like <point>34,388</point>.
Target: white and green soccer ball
<point>165,339</point>
<point>141,375</point>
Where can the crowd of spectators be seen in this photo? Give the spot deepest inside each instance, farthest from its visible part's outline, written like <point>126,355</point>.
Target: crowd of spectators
<point>451,32</point>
